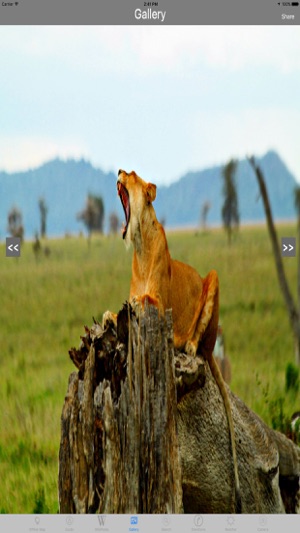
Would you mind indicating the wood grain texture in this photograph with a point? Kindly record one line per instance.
(144, 430)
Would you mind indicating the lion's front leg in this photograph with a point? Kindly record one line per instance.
(109, 317)
(191, 348)
(205, 334)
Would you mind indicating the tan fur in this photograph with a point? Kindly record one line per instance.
(170, 284)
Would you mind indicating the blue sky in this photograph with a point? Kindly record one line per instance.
(159, 100)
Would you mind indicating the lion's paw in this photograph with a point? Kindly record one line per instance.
(190, 349)
(108, 318)
(136, 306)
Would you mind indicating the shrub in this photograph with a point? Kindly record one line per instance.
(40, 506)
(291, 377)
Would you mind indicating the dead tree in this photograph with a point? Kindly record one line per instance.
(144, 430)
(119, 447)
(293, 312)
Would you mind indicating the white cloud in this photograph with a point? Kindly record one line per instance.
(21, 153)
(246, 132)
(145, 49)
(68, 117)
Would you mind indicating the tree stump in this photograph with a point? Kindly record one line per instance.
(144, 430)
(119, 447)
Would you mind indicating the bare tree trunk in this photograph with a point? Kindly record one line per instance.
(297, 340)
(119, 448)
(293, 312)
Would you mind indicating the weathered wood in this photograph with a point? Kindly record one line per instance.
(119, 448)
(144, 430)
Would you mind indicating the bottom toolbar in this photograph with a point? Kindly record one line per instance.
(149, 523)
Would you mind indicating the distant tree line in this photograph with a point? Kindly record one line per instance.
(15, 223)
(230, 212)
(92, 217)
(43, 217)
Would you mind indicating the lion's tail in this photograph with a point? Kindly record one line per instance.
(222, 387)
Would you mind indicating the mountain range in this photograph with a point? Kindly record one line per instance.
(64, 185)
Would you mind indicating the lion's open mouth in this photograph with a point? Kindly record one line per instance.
(123, 193)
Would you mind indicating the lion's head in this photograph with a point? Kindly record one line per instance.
(136, 196)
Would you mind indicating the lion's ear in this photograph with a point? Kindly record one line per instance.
(151, 192)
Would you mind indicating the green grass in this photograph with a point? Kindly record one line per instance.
(45, 304)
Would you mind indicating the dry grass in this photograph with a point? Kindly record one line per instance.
(45, 303)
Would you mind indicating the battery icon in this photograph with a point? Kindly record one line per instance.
(295, 3)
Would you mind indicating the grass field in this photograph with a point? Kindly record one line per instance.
(45, 303)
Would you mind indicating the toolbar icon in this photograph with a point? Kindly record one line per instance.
(101, 519)
(166, 521)
(198, 520)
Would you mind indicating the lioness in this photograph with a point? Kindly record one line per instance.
(170, 284)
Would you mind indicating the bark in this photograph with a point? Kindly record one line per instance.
(119, 448)
(144, 430)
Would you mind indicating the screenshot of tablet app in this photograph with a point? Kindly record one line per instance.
(149, 266)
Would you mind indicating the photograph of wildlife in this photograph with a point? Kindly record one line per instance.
(150, 270)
